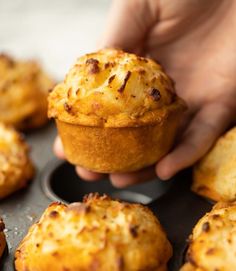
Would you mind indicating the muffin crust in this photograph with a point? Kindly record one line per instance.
(16, 169)
(215, 174)
(111, 88)
(98, 234)
(116, 112)
(23, 93)
(213, 242)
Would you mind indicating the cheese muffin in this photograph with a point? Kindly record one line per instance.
(2, 238)
(215, 174)
(98, 234)
(115, 112)
(213, 242)
(23, 93)
(16, 168)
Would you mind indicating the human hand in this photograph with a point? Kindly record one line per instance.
(195, 43)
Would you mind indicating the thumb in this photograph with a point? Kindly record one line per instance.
(208, 124)
(127, 25)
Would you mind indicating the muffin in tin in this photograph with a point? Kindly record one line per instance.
(16, 168)
(23, 93)
(215, 174)
(116, 112)
(98, 234)
(213, 242)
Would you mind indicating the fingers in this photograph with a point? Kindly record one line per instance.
(127, 24)
(88, 175)
(208, 124)
(58, 148)
(121, 180)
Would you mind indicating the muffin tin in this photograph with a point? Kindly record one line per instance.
(177, 208)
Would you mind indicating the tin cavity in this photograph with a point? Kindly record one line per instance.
(60, 183)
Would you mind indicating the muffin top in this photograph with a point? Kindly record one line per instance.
(213, 243)
(215, 173)
(99, 234)
(114, 88)
(15, 165)
(23, 92)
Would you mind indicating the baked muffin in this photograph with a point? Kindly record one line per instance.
(115, 112)
(213, 242)
(23, 93)
(215, 174)
(2, 238)
(16, 168)
(99, 234)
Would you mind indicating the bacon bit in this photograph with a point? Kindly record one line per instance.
(67, 107)
(133, 96)
(50, 90)
(122, 87)
(93, 63)
(53, 214)
(141, 71)
(142, 59)
(155, 94)
(77, 91)
(216, 216)
(111, 78)
(69, 92)
(206, 227)
(210, 251)
(134, 230)
(109, 64)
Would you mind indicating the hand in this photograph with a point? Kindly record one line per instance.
(195, 43)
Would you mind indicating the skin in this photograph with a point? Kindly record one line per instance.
(195, 41)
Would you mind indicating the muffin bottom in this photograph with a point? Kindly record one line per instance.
(107, 150)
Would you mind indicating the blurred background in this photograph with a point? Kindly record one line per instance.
(55, 32)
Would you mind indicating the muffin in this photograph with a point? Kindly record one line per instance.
(23, 93)
(213, 242)
(215, 174)
(2, 238)
(16, 168)
(98, 234)
(115, 112)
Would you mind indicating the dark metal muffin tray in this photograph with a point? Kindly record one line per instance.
(177, 208)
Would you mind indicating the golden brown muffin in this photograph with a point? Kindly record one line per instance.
(213, 242)
(23, 93)
(115, 112)
(2, 238)
(99, 234)
(215, 174)
(16, 168)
